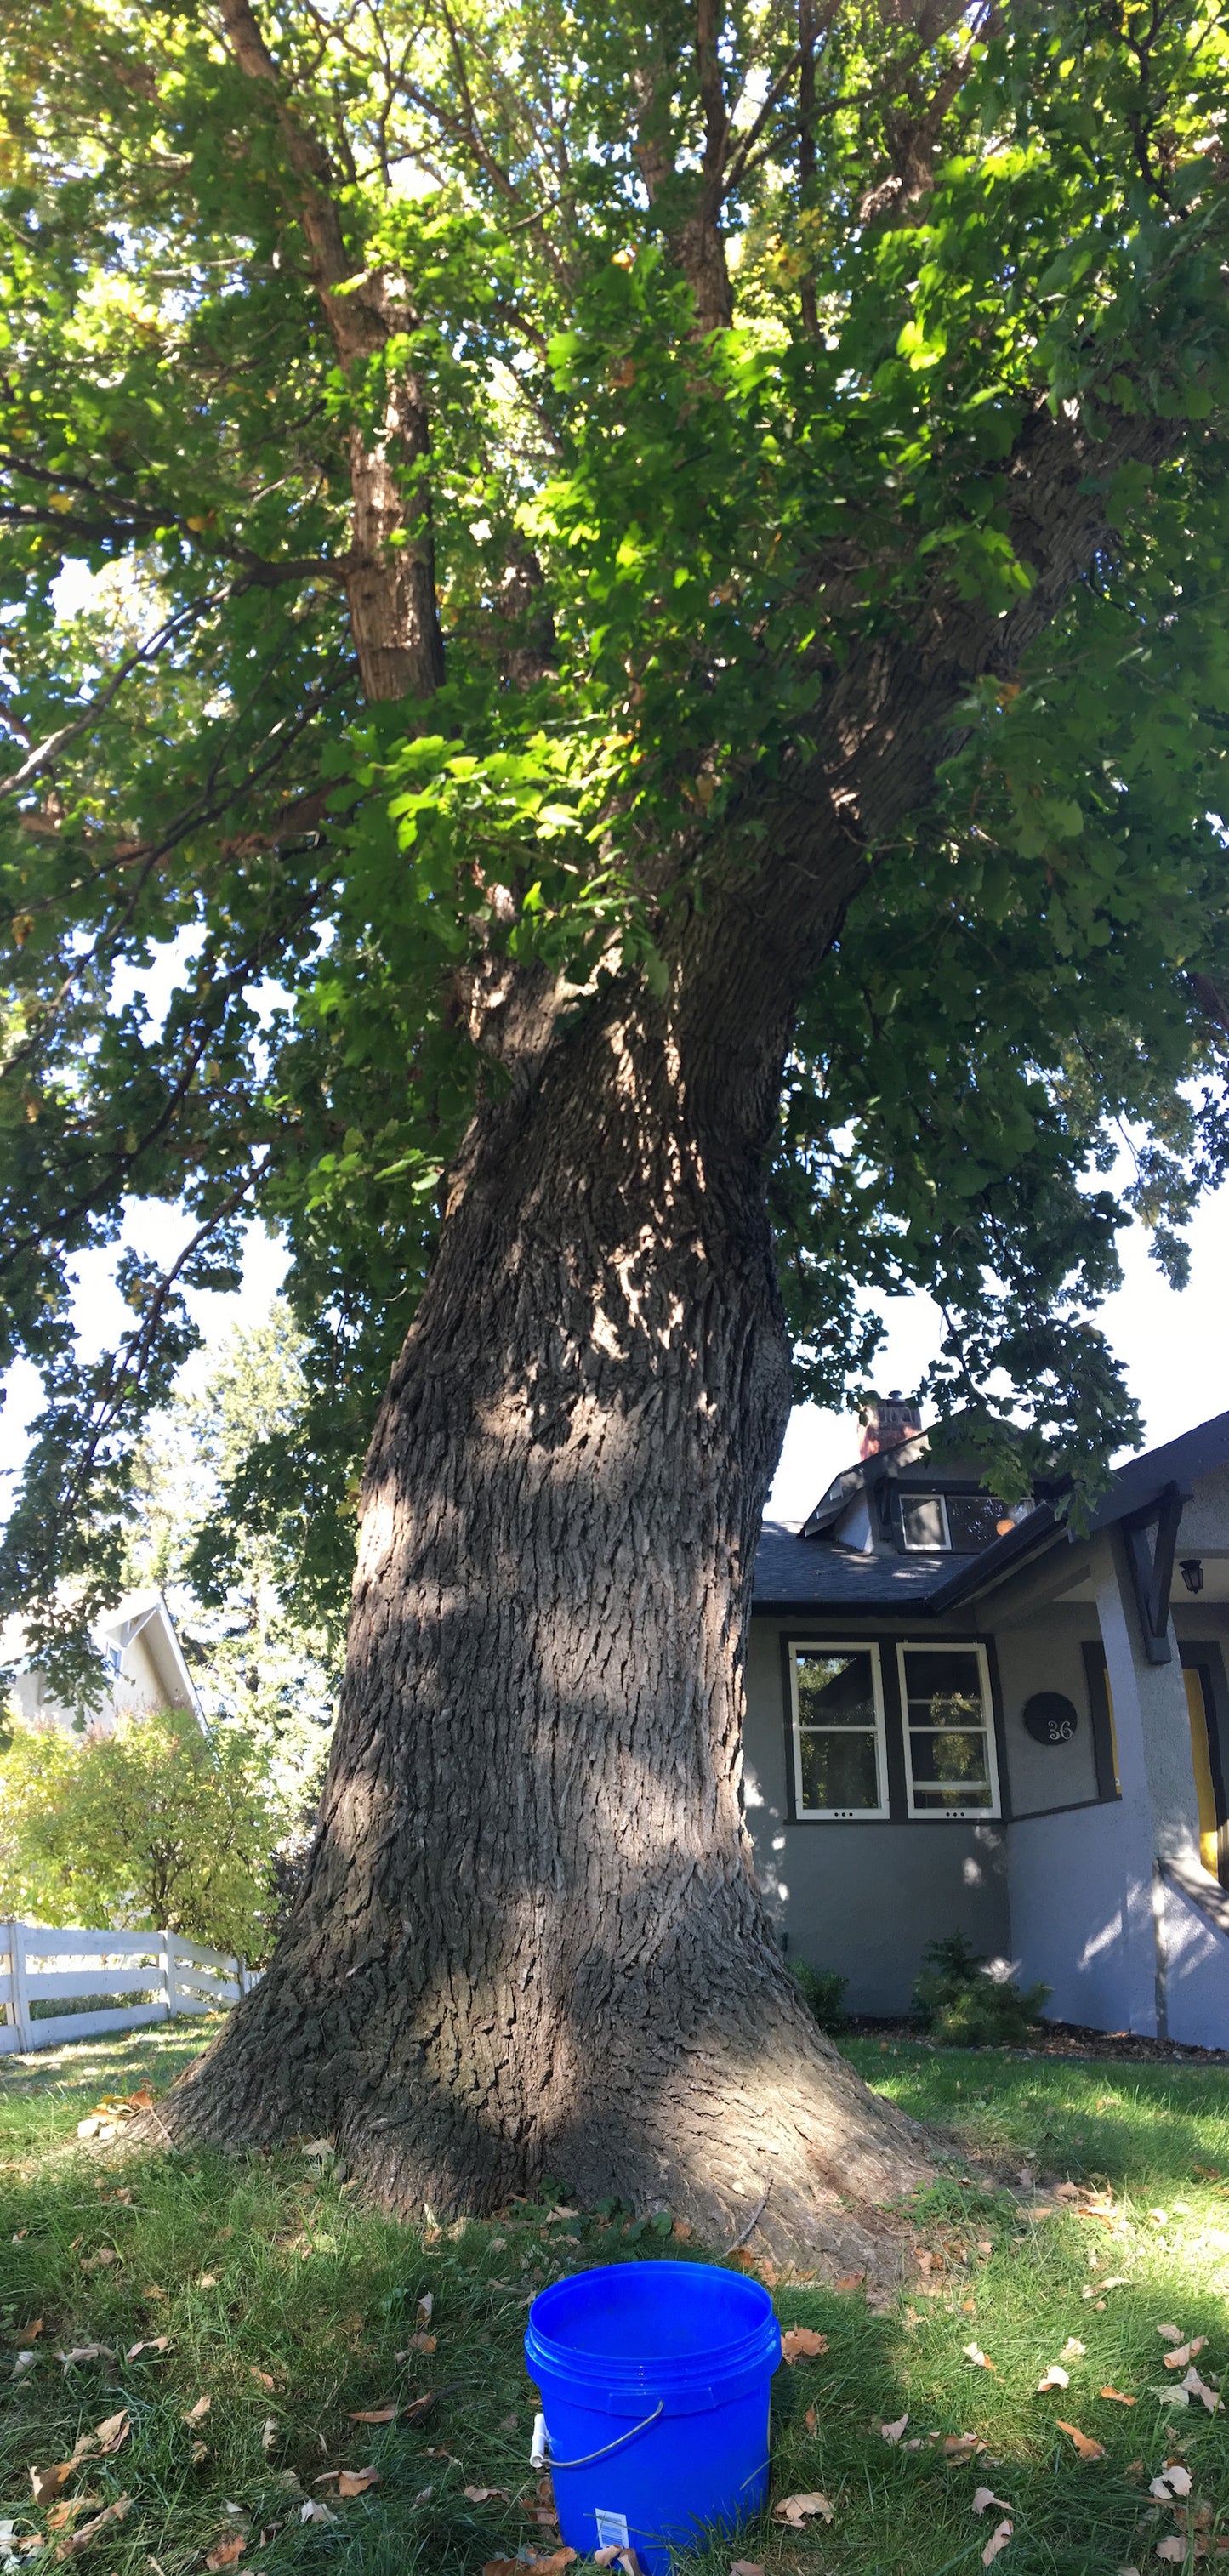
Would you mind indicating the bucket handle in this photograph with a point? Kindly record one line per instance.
(608, 2447)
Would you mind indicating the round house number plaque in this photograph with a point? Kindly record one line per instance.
(1050, 1718)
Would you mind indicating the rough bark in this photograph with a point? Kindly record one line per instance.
(390, 588)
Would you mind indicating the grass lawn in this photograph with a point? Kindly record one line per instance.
(286, 2307)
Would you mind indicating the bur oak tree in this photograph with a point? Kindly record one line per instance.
(657, 636)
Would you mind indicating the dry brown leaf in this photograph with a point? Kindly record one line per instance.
(417, 2343)
(268, 2434)
(802, 2344)
(355, 2482)
(31, 2333)
(63, 2515)
(1175, 2480)
(208, 2281)
(1184, 2353)
(1173, 2548)
(426, 2306)
(196, 2414)
(682, 2229)
(1199, 2388)
(200, 2451)
(156, 2343)
(797, 2509)
(1116, 2397)
(487, 2495)
(263, 2378)
(959, 2446)
(745, 2567)
(46, 2483)
(973, 2352)
(153, 2290)
(850, 2281)
(999, 2538)
(1073, 2349)
(892, 2432)
(811, 2419)
(1084, 2443)
(419, 2408)
(227, 2552)
(1170, 2334)
(382, 2415)
(75, 2541)
(111, 2434)
(1054, 2377)
(315, 2511)
(984, 2497)
(85, 2352)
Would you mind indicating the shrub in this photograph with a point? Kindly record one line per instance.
(821, 1990)
(961, 2002)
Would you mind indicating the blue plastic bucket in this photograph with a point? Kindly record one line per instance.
(655, 2383)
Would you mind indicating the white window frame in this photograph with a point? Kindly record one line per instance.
(947, 1646)
(839, 1815)
(908, 1495)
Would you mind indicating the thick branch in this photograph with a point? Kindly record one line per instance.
(390, 587)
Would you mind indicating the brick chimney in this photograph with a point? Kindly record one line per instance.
(887, 1421)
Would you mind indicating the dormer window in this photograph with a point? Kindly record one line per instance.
(924, 1520)
(963, 1523)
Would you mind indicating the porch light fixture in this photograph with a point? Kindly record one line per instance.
(1192, 1573)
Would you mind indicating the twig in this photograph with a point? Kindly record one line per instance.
(749, 2229)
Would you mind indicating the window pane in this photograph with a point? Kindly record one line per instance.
(960, 1759)
(973, 1520)
(944, 1688)
(835, 1690)
(839, 1769)
(922, 1519)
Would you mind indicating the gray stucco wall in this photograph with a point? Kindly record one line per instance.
(1081, 1916)
(1044, 1655)
(863, 1898)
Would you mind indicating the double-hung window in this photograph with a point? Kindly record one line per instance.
(949, 1733)
(840, 1769)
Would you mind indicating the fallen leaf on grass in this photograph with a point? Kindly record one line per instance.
(200, 2451)
(228, 2552)
(75, 2541)
(419, 2408)
(959, 2446)
(973, 2352)
(208, 2281)
(1116, 2397)
(802, 2344)
(1171, 2334)
(1084, 2443)
(314, 2511)
(106, 2437)
(745, 2567)
(1175, 2480)
(1054, 2377)
(153, 2290)
(1198, 2387)
(999, 2538)
(811, 2419)
(268, 2434)
(196, 2414)
(426, 2307)
(384, 2415)
(263, 2378)
(682, 2229)
(892, 2432)
(24, 2361)
(798, 2508)
(487, 2495)
(1185, 2352)
(31, 2333)
(46, 2483)
(984, 2497)
(64, 2514)
(850, 2281)
(1073, 2349)
(1172, 2548)
(355, 2482)
(156, 2343)
(86, 2352)
(417, 2343)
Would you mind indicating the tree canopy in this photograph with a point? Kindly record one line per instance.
(520, 455)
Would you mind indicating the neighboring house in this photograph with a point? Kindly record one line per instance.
(143, 1665)
(960, 1716)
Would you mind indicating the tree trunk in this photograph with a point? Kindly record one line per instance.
(530, 1939)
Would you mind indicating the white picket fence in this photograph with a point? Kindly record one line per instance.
(175, 1976)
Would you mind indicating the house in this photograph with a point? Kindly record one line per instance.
(143, 1664)
(961, 1716)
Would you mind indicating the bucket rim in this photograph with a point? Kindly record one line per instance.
(758, 2342)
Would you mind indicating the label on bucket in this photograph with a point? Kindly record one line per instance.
(611, 2530)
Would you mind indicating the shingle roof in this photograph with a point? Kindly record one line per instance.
(795, 1573)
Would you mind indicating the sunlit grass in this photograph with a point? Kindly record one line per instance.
(269, 2272)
